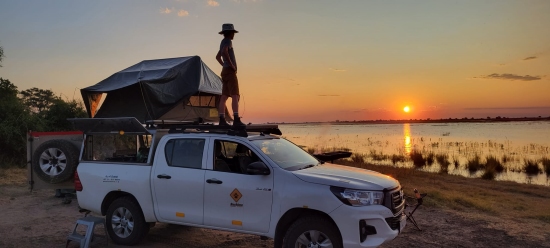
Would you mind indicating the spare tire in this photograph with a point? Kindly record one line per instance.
(55, 161)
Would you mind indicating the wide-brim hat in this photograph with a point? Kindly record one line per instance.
(228, 27)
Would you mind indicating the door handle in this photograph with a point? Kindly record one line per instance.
(216, 181)
(164, 176)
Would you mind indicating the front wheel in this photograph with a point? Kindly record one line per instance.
(125, 222)
(312, 231)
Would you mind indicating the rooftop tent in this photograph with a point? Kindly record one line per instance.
(176, 89)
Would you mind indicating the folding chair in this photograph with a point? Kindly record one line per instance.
(419, 200)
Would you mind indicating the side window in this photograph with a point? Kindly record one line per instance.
(184, 153)
(232, 157)
(117, 148)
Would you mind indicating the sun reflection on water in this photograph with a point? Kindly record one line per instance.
(407, 133)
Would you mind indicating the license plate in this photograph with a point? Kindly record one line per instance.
(403, 222)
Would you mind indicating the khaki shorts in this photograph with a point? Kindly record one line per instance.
(230, 82)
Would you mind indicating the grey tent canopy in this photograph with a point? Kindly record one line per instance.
(176, 88)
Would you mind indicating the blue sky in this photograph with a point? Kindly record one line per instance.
(309, 60)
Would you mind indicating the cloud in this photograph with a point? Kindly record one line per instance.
(247, 1)
(183, 13)
(213, 3)
(328, 95)
(510, 108)
(166, 10)
(337, 70)
(508, 76)
(530, 58)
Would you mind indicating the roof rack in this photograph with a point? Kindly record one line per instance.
(190, 126)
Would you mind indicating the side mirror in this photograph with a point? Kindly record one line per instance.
(257, 168)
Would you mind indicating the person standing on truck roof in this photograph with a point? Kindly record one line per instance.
(229, 75)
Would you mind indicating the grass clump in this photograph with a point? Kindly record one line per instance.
(377, 156)
(430, 158)
(531, 167)
(443, 161)
(417, 158)
(358, 158)
(474, 164)
(397, 158)
(546, 164)
(456, 163)
(489, 174)
(493, 164)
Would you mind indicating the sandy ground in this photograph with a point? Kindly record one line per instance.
(39, 219)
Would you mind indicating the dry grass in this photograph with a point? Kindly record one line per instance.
(508, 200)
(12, 176)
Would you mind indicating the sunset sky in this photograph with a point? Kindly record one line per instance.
(302, 60)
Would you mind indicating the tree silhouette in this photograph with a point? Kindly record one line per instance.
(1, 55)
(37, 99)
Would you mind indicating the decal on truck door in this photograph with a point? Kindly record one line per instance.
(236, 195)
(111, 179)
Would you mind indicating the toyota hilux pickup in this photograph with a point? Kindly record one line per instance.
(249, 181)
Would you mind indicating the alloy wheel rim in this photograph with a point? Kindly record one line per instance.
(313, 239)
(122, 222)
(53, 161)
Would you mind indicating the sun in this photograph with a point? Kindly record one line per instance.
(407, 109)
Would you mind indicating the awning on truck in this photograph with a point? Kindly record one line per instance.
(176, 88)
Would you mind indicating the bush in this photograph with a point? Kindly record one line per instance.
(18, 116)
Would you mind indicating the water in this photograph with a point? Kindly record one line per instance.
(510, 142)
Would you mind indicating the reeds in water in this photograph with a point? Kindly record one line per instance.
(531, 167)
(417, 158)
(443, 161)
(546, 164)
(358, 158)
(397, 158)
(474, 164)
(430, 158)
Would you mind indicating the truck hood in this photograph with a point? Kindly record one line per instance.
(346, 177)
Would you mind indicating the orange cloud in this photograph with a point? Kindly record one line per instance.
(183, 13)
(508, 76)
(213, 3)
(166, 10)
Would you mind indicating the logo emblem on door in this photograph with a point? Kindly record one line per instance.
(236, 195)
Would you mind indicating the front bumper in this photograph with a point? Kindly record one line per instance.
(387, 225)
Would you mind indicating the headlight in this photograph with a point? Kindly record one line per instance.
(358, 198)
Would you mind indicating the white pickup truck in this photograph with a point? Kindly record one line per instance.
(249, 181)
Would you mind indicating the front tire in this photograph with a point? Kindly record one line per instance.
(125, 222)
(312, 231)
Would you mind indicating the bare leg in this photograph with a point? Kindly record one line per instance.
(221, 106)
(235, 103)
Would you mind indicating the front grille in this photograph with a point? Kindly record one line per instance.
(394, 201)
(394, 222)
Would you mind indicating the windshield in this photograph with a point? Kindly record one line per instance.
(286, 154)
